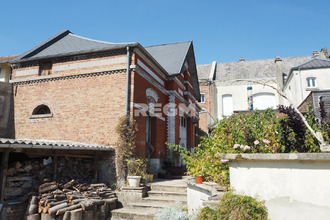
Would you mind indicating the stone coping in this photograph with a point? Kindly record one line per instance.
(208, 188)
(278, 157)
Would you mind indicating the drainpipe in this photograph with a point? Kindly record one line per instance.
(301, 88)
(128, 81)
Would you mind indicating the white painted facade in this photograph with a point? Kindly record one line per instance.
(294, 186)
(239, 96)
(297, 88)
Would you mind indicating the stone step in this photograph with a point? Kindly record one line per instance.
(165, 201)
(150, 206)
(133, 213)
(170, 195)
(169, 188)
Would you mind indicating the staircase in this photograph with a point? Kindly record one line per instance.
(163, 194)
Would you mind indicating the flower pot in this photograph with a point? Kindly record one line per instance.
(199, 179)
(193, 179)
(134, 181)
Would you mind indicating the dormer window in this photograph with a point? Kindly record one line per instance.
(41, 111)
(311, 82)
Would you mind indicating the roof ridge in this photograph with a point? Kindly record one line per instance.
(39, 47)
(98, 41)
(264, 59)
(170, 44)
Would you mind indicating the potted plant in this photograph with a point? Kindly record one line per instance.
(137, 169)
(197, 170)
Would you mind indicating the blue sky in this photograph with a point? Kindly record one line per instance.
(222, 31)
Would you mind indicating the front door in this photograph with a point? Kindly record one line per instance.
(183, 135)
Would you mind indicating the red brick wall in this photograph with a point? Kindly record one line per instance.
(159, 127)
(84, 109)
(204, 89)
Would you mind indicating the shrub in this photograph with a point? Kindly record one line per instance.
(234, 207)
(207, 213)
(125, 147)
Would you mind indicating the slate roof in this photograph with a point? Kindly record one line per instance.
(314, 63)
(170, 56)
(66, 43)
(204, 71)
(49, 144)
(255, 69)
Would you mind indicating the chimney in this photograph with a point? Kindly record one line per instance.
(279, 72)
(315, 54)
(241, 59)
(325, 52)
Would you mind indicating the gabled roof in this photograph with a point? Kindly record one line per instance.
(66, 43)
(313, 63)
(170, 56)
(255, 69)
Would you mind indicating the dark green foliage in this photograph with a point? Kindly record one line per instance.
(207, 214)
(233, 207)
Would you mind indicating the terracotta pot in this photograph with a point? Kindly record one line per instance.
(199, 179)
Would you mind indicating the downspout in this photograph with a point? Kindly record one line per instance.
(128, 81)
(301, 88)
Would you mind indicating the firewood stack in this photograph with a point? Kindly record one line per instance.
(71, 201)
(71, 196)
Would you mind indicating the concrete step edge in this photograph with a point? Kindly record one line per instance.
(167, 192)
(163, 199)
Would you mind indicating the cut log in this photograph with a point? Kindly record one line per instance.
(68, 184)
(88, 215)
(46, 187)
(70, 208)
(86, 204)
(33, 217)
(32, 209)
(67, 216)
(76, 214)
(47, 217)
(54, 209)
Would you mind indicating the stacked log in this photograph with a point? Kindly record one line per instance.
(72, 200)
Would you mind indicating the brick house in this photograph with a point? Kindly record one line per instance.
(72, 88)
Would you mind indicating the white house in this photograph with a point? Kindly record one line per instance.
(240, 86)
(312, 75)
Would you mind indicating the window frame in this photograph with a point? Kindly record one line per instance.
(44, 115)
(310, 81)
(202, 99)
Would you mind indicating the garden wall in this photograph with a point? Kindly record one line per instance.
(294, 186)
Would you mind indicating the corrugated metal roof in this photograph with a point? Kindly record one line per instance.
(170, 56)
(314, 63)
(50, 144)
(66, 43)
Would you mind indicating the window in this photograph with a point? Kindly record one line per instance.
(41, 111)
(227, 105)
(263, 101)
(202, 98)
(311, 82)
